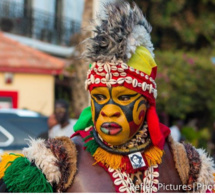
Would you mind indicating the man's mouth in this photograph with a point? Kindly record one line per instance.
(111, 128)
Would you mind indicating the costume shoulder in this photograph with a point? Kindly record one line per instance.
(45, 166)
(195, 167)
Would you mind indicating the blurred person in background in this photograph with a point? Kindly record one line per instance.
(64, 126)
(51, 122)
(176, 130)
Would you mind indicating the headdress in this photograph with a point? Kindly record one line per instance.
(122, 54)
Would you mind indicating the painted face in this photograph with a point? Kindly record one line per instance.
(118, 113)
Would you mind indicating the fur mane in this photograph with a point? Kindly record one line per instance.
(118, 33)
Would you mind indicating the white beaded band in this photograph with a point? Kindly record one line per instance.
(108, 70)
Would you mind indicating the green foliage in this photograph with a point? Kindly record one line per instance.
(196, 138)
(187, 24)
(186, 83)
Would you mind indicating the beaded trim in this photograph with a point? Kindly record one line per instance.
(125, 184)
(121, 70)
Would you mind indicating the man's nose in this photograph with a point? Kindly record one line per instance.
(111, 111)
(110, 114)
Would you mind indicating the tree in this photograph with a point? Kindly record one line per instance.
(80, 97)
(184, 37)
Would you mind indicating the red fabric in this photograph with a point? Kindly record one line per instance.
(129, 73)
(157, 131)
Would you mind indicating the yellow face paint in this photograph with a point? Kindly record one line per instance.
(118, 113)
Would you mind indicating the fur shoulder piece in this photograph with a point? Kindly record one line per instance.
(118, 33)
(65, 152)
(195, 167)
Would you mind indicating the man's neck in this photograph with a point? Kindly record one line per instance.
(64, 124)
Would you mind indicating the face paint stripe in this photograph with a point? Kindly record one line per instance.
(141, 102)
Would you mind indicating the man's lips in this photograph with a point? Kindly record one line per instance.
(111, 128)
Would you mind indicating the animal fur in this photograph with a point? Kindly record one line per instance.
(207, 170)
(118, 33)
(180, 159)
(65, 151)
(44, 159)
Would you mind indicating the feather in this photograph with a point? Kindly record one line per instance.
(118, 33)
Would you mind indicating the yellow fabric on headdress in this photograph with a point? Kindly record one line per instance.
(142, 60)
(6, 160)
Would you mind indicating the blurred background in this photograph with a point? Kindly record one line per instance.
(40, 63)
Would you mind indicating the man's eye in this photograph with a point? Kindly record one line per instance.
(100, 97)
(124, 97)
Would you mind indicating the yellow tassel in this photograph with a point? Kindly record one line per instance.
(154, 155)
(109, 160)
(6, 160)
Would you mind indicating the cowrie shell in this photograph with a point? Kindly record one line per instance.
(150, 88)
(113, 68)
(123, 74)
(103, 80)
(116, 74)
(131, 69)
(107, 68)
(147, 77)
(134, 82)
(97, 81)
(102, 74)
(107, 76)
(120, 80)
(124, 66)
(144, 85)
(92, 78)
(141, 74)
(100, 69)
(128, 79)
(120, 69)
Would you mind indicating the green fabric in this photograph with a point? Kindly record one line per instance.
(91, 146)
(21, 176)
(85, 120)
